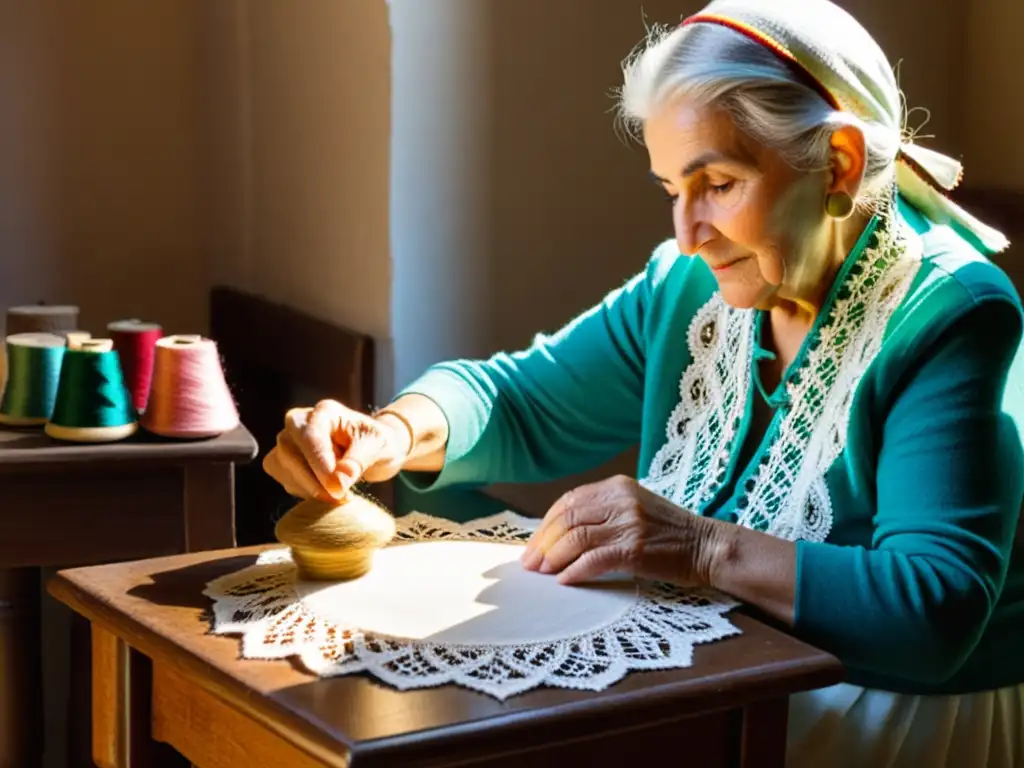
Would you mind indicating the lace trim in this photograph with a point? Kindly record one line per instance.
(690, 467)
(786, 495)
(261, 604)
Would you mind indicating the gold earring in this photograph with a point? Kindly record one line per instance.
(838, 205)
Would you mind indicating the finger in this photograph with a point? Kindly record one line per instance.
(592, 564)
(293, 490)
(552, 528)
(296, 419)
(297, 472)
(549, 532)
(316, 440)
(366, 443)
(580, 506)
(274, 467)
(574, 544)
(552, 519)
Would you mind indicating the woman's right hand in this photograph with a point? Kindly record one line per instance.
(323, 451)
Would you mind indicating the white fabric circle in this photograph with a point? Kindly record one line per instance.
(467, 593)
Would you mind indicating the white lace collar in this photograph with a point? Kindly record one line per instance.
(783, 491)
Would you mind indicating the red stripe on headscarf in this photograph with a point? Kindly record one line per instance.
(771, 44)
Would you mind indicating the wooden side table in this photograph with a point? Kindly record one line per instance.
(64, 505)
(728, 709)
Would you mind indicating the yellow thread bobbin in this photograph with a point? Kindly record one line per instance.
(335, 541)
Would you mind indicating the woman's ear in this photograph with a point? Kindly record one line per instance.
(848, 161)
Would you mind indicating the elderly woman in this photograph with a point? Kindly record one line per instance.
(818, 370)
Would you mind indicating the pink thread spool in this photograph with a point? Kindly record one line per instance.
(188, 397)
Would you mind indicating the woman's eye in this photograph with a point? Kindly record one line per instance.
(721, 189)
(671, 196)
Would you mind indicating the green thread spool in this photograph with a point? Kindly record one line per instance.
(33, 373)
(93, 405)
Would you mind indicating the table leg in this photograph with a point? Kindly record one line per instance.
(120, 710)
(21, 678)
(79, 707)
(763, 734)
(209, 507)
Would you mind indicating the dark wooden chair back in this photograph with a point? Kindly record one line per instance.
(275, 358)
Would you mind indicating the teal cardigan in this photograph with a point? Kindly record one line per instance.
(903, 498)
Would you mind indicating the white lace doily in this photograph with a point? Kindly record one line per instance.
(450, 603)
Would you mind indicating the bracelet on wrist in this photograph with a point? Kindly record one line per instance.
(403, 420)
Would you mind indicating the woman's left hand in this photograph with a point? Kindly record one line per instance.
(617, 525)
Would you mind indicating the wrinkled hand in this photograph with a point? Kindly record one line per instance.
(616, 525)
(323, 451)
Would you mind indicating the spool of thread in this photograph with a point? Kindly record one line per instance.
(189, 397)
(37, 318)
(335, 542)
(135, 342)
(35, 361)
(41, 318)
(93, 405)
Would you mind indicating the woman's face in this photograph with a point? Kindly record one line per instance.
(760, 225)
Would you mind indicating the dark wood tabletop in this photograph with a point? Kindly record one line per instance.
(158, 608)
(23, 450)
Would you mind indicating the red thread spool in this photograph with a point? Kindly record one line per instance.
(189, 397)
(135, 343)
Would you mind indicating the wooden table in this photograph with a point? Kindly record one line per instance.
(65, 505)
(219, 711)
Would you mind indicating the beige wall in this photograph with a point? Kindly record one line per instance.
(441, 182)
(297, 142)
(298, 108)
(993, 103)
(150, 149)
(26, 270)
(102, 170)
(925, 40)
(573, 211)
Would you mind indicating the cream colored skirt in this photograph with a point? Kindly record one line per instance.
(844, 725)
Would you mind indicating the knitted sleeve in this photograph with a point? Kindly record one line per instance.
(568, 402)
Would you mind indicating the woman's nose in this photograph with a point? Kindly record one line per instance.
(692, 230)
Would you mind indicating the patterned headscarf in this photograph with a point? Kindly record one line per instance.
(838, 58)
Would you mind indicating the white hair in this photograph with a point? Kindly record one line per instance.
(719, 67)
